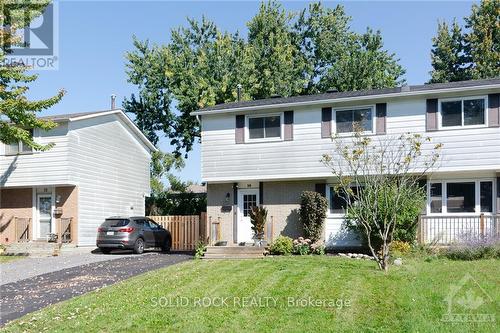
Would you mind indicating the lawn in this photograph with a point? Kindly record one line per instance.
(4, 259)
(351, 295)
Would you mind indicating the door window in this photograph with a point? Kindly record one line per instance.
(249, 201)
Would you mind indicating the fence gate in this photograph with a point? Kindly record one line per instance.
(185, 230)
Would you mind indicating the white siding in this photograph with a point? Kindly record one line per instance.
(111, 168)
(223, 160)
(39, 168)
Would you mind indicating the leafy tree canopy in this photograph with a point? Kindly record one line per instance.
(472, 52)
(283, 54)
(17, 112)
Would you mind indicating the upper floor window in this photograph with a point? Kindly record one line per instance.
(18, 147)
(267, 127)
(349, 120)
(463, 112)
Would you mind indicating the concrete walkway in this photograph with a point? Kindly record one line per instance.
(22, 296)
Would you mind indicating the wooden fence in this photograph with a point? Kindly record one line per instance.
(22, 229)
(442, 230)
(186, 230)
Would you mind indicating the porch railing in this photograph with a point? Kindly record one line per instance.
(442, 230)
(22, 229)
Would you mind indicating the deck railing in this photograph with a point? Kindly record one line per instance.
(442, 230)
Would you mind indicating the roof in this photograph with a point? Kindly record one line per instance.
(93, 114)
(349, 95)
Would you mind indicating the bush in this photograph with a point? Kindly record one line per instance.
(258, 217)
(302, 246)
(486, 248)
(318, 248)
(312, 214)
(400, 247)
(200, 249)
(282, 246)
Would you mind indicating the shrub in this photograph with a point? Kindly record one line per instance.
(282, 245)
(312, 214)
(475, 249)
(318, 248)
(400, 247)
(302, 246)
(258, 217)
(200, 249)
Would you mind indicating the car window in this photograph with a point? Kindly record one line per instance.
(153, 225)
(115, 222)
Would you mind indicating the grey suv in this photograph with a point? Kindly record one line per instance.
(135, 233)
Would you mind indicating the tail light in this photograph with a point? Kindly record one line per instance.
(100, 229)
(128, 229)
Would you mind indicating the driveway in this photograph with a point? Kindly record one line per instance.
(33, 292)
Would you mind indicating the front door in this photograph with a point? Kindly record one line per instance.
(247, 199)
(44, 205)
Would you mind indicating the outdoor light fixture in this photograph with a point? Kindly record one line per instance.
(228, 195)
(58, 198)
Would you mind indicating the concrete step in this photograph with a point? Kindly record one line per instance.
(233, 256)
(236, 249)
(35, 249)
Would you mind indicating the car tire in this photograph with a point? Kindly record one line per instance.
(139, 246)
(105, 250)
(166, 246)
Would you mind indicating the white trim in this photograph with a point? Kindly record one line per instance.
(462, 99)
(352, 108)
(346, 99)
(444, 195)
(271, 139)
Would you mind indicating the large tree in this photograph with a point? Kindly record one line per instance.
(17, 112)
(468, 53)
(284, 54)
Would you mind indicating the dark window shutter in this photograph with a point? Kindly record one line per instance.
(431, 115)
(498, 193)
(494, 110)
(288, 130)
(240, 129)
(381, 120)
(321, 189)
(326, 122)
(261, 193)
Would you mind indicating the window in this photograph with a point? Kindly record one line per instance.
(465, 112)
(18, 147)
(264, 127)
(436, 198)
(461, 197)
(338, 200)
(249, 201)
(348, 120)
(486, 193)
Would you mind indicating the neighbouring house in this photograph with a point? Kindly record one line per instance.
(266, 152)
(98, 167)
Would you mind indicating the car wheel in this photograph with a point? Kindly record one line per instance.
(105, 250)
(166, 246)
(139, 246)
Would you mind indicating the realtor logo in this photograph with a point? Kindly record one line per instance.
(36, 44)
(466, 302)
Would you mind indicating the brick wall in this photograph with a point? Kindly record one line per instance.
(69, 205)
(216, 199)
(14, 203)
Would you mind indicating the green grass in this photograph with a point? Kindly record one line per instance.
(4, 258)
(410, 298)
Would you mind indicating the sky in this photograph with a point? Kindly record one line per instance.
(95, 35)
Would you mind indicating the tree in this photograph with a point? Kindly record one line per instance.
(284, 54)
(312, 214)
(378, 179)
(161, 164)
(447, 55)
(17, 112)
(471, 54)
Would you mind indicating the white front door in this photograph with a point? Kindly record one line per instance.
(44, 208)
(247, 198)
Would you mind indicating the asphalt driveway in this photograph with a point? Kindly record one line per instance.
(23, 296)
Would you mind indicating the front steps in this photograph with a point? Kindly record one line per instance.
(34, 249)
(234, 252)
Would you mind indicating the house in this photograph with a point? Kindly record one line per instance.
(98, 167)
(266, 152)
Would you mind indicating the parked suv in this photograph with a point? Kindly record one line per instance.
(135, 233)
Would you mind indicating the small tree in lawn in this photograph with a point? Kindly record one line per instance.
(378, 179)
(312, 214)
